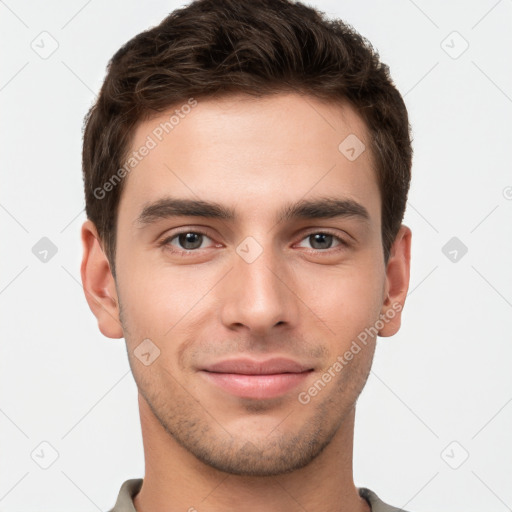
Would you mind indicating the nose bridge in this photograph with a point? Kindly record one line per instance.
(257, 295)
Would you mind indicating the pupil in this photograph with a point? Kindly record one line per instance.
(188, 238)
(321, 237)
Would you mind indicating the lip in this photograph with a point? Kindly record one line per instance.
(248, 378)
(247, 366)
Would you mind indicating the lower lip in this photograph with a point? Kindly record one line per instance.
(256, 386)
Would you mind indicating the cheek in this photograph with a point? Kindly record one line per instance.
(346, 298)
(161, 302)
(153, 295)
(163, 305)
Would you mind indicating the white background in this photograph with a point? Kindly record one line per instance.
(444, 377)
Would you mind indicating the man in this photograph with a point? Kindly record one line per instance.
(246, 170)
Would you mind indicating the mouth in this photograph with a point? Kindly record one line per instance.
(257, 380)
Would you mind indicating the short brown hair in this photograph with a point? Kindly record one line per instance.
(216, 47)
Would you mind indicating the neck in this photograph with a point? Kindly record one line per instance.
(175, 480)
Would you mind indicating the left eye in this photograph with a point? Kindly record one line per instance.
(323, 240)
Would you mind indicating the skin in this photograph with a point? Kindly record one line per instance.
(206, 448)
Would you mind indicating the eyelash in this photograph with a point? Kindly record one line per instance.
(166, 241)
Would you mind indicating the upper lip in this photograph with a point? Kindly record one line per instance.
(253, 367)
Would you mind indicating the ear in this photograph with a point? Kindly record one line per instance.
(397, 282)
(98, 283)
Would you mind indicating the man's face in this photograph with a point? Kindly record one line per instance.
(251, 289)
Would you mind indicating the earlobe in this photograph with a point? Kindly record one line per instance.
(397, 282)
(98, 283)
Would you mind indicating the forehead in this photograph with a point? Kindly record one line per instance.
(249, 152)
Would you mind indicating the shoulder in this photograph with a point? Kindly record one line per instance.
(376, 504)
(126, 494)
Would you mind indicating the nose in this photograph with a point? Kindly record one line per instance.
(258, 295)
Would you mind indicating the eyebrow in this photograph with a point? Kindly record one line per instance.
(318, 208)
